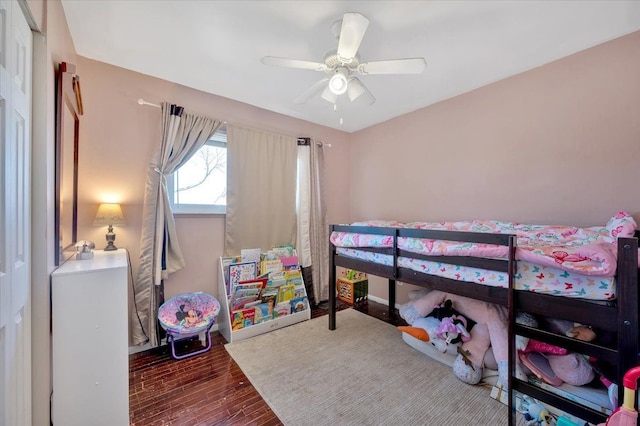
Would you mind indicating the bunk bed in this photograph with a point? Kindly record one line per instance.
(388, 250)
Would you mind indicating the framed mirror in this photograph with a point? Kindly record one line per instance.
(68, 112)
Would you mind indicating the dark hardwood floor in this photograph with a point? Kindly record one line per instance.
(206, 389)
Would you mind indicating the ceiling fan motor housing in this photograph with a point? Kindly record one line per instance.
(332, 60)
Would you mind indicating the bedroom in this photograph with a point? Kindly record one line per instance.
(567, 118)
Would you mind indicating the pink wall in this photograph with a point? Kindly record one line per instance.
(559, 144)
(537, 147)
(118, 138)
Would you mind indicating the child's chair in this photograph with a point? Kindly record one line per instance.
(187, 315)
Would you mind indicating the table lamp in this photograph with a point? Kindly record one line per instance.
(109, 214)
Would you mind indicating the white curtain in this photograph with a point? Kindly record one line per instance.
(313, 230)
(261, 190)
(183, 134)
(303, 242)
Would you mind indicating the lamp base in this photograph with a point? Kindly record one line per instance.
(111, 237)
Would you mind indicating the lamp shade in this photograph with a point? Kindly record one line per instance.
(109, 214)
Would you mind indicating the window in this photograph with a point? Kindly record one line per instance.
(200, 186)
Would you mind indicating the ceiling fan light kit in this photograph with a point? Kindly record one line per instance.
(338, 82)
(355, 89)
(344, 61)
(328, 95)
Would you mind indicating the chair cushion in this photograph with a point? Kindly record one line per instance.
(188, 313)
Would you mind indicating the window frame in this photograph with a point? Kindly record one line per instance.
(218, 139)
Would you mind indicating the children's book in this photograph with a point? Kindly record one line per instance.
(250, 255)
(278, 275)
(300, 291)
(276, 282)
(280, 251)
(226, 261)
(252, 304)
(282, 309)
(269, 296)
(240, 302)
(299, 304)
(290, 262)
(297, 281)
(241, 272)
(242, 318)
(241, 293)
(286, 292)
(263, 312)
(270, 266)
(258, 283)
(292, 274)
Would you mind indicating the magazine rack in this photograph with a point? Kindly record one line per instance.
(224, 319)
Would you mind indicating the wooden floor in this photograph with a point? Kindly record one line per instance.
(206, 389)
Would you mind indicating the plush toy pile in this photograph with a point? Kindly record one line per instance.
(489, 331)
(476, 333)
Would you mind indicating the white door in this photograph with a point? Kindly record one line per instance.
(15, 218)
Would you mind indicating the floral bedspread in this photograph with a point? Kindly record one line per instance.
(588, 251)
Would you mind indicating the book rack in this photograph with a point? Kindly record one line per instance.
(224, 318)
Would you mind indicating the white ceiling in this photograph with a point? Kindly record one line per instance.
(216, 46)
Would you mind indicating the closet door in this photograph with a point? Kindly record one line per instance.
(15, 219)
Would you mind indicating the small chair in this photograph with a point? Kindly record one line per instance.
(187, 315)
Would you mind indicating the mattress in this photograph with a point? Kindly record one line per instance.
(537, 278)
(585, 251)
(556, 260)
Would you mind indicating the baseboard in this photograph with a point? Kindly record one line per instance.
(381, 301)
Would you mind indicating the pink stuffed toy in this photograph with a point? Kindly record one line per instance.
(572, 368)
(491, 329)
(454, 329)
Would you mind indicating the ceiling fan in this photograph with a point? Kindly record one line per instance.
(342, 63)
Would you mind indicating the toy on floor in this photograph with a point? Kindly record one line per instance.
(534, 412)
(626, 415)
(453, 327)
(444, 328)
(490, 330)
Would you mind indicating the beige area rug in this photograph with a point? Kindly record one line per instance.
(362, 373)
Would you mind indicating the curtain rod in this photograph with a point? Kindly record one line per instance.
(301, 141)
(143, 102)
(307, 141)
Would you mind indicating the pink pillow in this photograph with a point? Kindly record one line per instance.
(621, 225)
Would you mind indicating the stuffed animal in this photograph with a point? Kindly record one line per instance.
(534, 412)
(569, 367)
(454, 329)
(426, 329)
(490, 330)
(572, 368)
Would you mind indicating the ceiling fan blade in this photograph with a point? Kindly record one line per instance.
(394, 66)
(328, 95)
(311, 91)
(357, 90)
(353, 28)
(294, 63)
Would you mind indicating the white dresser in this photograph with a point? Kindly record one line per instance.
(90, 342)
